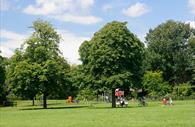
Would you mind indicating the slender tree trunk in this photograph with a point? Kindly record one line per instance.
(113, 98)
(33, 101)
(103, 97)
(44, 100)
(97, 98)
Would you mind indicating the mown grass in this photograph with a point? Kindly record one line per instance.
(59, 114)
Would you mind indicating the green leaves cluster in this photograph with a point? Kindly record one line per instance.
(3, 91)
(184, 89)
(171, 50)
(113, 56)
(155, 85)
(39, 67)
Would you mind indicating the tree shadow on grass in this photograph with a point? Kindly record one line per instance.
(85, 106)
(110, 107)
(30, 105)
(65, 107)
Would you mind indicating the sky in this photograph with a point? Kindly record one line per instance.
(78, 20)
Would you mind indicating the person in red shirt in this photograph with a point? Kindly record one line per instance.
(164, 101)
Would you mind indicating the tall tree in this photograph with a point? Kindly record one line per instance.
(42, 68)
(192, 60)
(113, 58)
(2, 80)
(169, 51)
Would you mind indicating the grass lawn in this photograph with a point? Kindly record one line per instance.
(59, 114)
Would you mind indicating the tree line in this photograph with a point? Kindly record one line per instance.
(113, 58)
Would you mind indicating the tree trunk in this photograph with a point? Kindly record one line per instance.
(44, 100)
(113, 98)
(97, 98)
(33, 101)
(103, 96)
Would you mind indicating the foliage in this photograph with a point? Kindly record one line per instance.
(154, 84)
(3, 91)
(184, 89)
(39, 67)
(71, 88)
(113, 57)
(192, 63)
(169, 50)
(86, 94)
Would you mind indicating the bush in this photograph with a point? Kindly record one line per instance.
(184, 89)
(86, 94)
(154, 84)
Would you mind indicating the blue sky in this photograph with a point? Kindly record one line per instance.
(78, 20)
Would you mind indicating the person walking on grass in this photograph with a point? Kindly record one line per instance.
(164, 101)
(170, 101)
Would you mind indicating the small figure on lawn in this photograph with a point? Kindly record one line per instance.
(164, 101)
(120, 101)
(170, 101)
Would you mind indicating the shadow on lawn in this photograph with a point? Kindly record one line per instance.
(66, 107)
(129, 107)
(30, 105)
(93, 106)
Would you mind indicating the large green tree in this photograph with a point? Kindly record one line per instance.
(2, 80)
(41, 67)
(170, 49)
(113, 58)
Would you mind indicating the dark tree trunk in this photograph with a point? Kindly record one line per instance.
(33, 101)
(44, 100)
(113, 98)
(103, 97)
(97, 98)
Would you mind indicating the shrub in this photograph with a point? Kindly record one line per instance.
(154, 84)
(184, 89)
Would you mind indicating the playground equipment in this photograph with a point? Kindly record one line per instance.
(69, 100)
(120, 100)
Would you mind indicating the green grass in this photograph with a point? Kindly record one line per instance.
(59, 114)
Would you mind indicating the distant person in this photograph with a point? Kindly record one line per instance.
(107, 98)
(164, 101)
(170, 101)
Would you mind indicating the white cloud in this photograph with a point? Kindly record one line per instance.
(6, 34)
(76, 11)
(78, 19)
(192, 23)
(107, 7)
(69, 44)
(6, 52)
(142, 37)
(10, 41)
(136, 10)
(4, 5)
(191, 4)
(46, 9)
(86, 3)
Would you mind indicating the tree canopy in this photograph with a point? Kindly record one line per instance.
(40, 67)
(2, 80)
(170, 49)
(113, 57)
